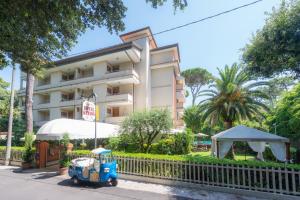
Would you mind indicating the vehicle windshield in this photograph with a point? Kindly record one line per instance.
(106, 158)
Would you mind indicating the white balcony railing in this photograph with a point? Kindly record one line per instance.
(119, 99)
(115, 120)
(180, 95)
(121, 73)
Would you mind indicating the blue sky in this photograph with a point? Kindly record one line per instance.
(208, 44)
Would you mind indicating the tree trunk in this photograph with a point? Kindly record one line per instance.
(193, 100)
(228, 124)
(11, 117)
(28, 102)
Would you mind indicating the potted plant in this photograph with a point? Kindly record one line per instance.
(64, 165)
(65, 158)
(27, 155)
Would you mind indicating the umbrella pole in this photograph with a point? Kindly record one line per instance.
(245, 151)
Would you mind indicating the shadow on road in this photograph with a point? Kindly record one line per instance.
(90, 185)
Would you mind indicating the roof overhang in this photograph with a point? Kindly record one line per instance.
(172, 47)
(138, 34)
(128, 51)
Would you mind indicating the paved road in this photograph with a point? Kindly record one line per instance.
(33, 185)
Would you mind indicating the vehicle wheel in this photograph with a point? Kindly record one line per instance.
(114, 182)
(75, 180)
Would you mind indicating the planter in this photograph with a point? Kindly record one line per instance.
(26, 165)
(63, 170)
(69, 147)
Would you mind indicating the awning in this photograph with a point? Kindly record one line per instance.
(257, 140)
(77, 129)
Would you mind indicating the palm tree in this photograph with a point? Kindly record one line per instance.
(233, 97)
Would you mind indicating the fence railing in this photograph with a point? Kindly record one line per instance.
(14, 156)
(265, 179)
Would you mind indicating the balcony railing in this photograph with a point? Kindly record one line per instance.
(44, 102)
(121, 73)
(119, 99)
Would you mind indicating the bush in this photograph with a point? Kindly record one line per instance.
(113, 143)
(28, 153)
(180, 143)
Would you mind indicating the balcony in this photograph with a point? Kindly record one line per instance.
(119, 99)
(122, 77)
(115, 120)
(179, 123)
(40, 123)
(180, 96)
(179, 107)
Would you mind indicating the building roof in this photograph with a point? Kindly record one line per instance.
(97, 53)
(138, 34)
(171, 46)
(244, 133)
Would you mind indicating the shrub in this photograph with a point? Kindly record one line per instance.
(28, 153)
(114, 143)
(183, 142)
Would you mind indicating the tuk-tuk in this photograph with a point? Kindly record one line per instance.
(102, 169)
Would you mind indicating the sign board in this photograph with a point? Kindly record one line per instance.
(97, 113)
(88, 111)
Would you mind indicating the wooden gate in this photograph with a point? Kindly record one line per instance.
(47, 154)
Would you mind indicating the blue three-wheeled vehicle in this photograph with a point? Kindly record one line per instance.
(102, 169)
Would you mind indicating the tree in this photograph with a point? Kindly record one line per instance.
(233, 98)
(286, 116)
(195, 79)
(4, 100)
(275, 48)
(33, 33)
(146, 126)
(193, 119)
(276, 87)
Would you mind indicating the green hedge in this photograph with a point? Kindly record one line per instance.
(198, 159)
(14, 148)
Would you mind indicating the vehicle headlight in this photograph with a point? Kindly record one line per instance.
(106, 170)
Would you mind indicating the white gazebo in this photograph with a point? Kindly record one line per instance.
(77, 129)
(256, 139)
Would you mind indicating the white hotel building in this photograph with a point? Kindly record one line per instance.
(132, 76)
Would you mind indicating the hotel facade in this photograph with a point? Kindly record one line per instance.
(135, 75)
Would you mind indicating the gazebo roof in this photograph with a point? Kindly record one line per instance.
(244, 133)
(77, 129)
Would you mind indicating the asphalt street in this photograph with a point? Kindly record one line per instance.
(42, 185)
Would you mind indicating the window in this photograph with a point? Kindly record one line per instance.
(86, 92)
(44, 98)
(44, 81)
(69, 114)
(113, 90)
(68, 76)
(67, 96)
(114, 68)
(116, 90)
(83, 73)
(108, 111)
(44, 115)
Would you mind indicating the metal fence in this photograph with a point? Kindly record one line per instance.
(15, 157)
(265, 179)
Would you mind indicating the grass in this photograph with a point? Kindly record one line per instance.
(201, 157)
